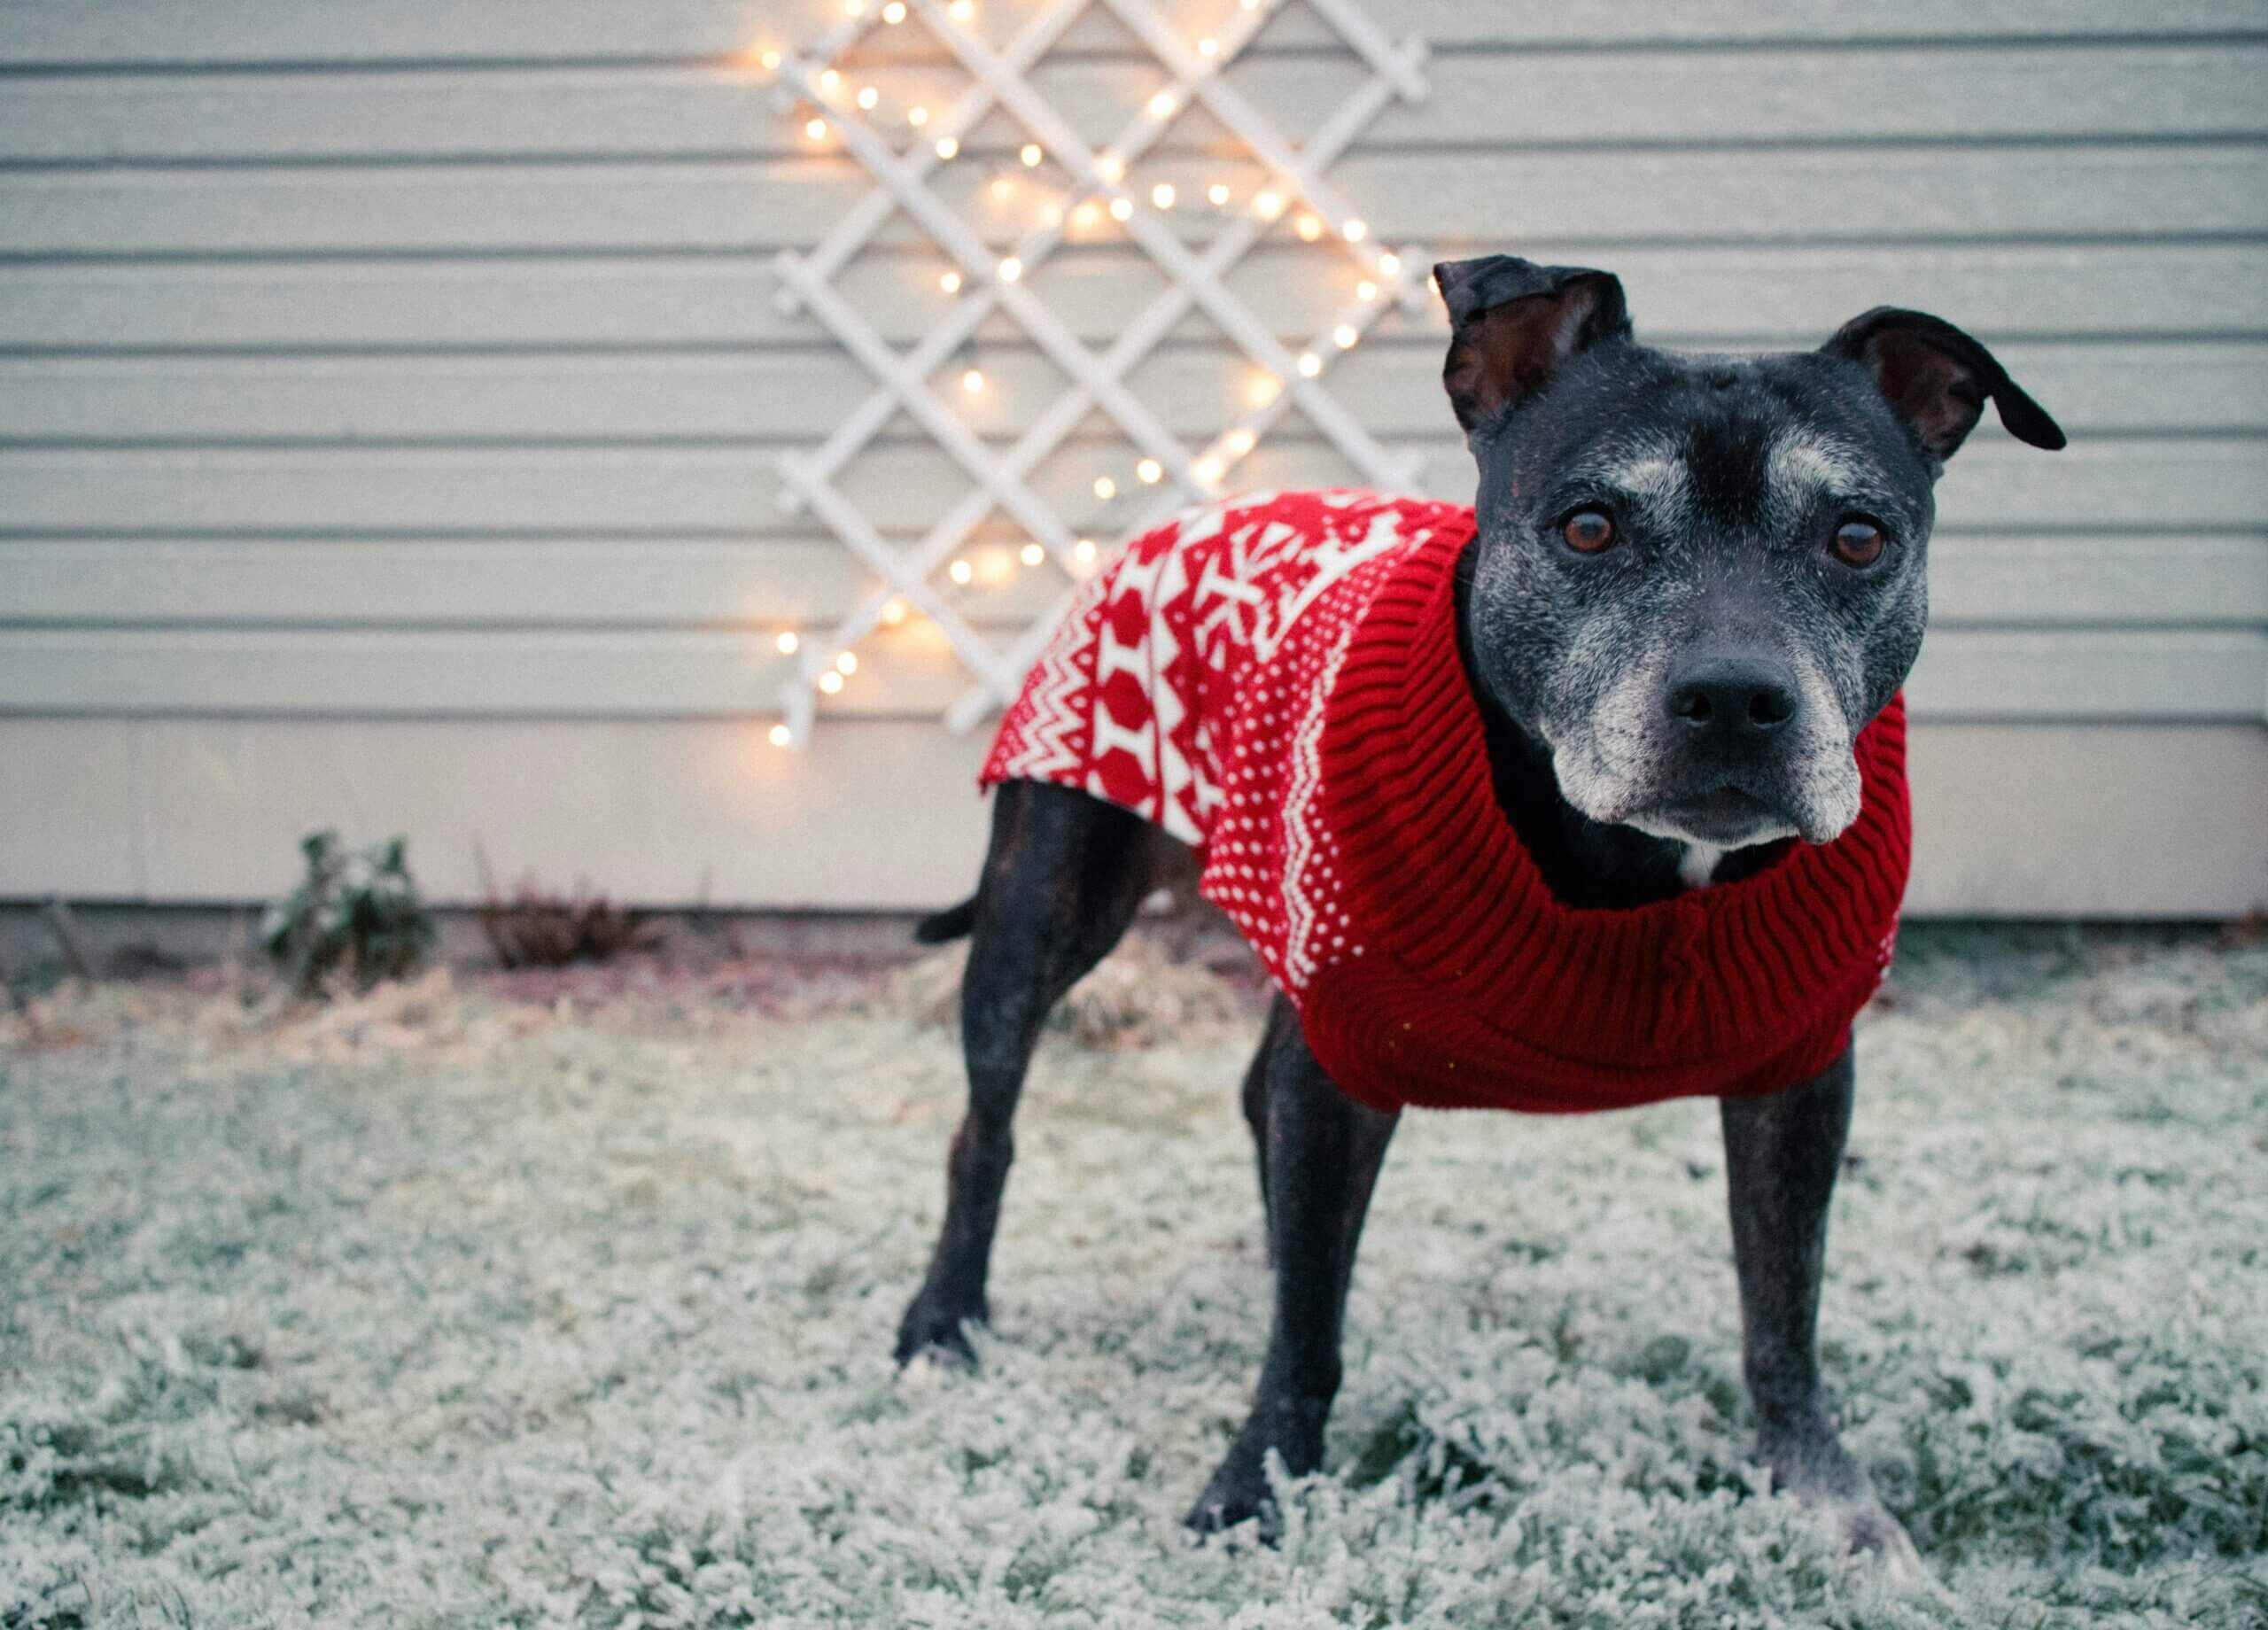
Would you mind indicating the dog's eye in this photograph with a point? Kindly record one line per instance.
(1858, 542)
(1587, 531)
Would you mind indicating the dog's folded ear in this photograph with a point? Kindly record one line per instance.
(1513, 322)
(1939, 379)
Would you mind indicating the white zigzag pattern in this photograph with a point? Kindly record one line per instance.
(1298, 826)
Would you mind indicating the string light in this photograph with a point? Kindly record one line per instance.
(1249, 5)
(1268, 205)
(868, 97)
(1011, 269)
(1031, 154)
(947, 147)
(1084, 551)
(1208, 47)
(830, 82)
(961, 11)
(893, 612)
(1085, 215)
(949, 283)
(1105, 488)
(1309, 228)
(1262, 388)
(1151, 471)
(1345, 336)
(894, 13)
(972, 381)
(960, 572)
(1000, 189)
(1209, 470)
(846, 663)
(917, 116)
(1121, 208)
(1354, 231)
(1161, 105)
(779, 735)
(1366, 290)
(1111, 167)
(830, 681)
(787, 642)
(1242, 441)
(1162, 195)
(816, 129)
(771, 60)
(1216, 195)
(1031, 554)
(1310, 364)
(1389, 266)
(854, 8)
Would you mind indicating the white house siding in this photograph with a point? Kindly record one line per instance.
(389, 396)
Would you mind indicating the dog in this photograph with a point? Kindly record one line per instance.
(1692, 589)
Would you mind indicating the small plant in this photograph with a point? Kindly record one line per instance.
(355, 916)
(535, 929)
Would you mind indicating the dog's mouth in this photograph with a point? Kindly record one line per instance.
(1723, 818)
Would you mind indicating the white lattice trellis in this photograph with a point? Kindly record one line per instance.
(987, 280)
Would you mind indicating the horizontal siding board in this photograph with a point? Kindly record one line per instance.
(1978, 193)
(288, 31)
(1702, 294)
(1963, 674)
(807, 582)
(1700, 98)
(2219, 482)
(2154, 388)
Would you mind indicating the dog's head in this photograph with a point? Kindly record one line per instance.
(1696, 578)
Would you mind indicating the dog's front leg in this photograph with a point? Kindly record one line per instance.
(1781, 1155)
(1321, 1155)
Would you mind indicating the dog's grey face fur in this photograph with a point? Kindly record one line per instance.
(1725, 481)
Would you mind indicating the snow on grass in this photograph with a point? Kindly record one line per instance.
(444, 1308)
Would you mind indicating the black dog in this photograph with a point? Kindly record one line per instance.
(1695, 579)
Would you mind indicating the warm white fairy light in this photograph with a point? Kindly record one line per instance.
(1105, 488)
(830, 681)
(1209, 470)
(1031, 154)
(830, 80)
(1031, 554)
(1083, 551)
(1353, 231)
(1310, 364)
(1151, 471)
(1000, 188)
(787, 642)
(894, 13)
(961, 11)
(846, 663)
(1242, 440)
(779, 735)
(770, 59)
(971, 381)
(947, 147)
(894, 611)
(1366, 290)
(1263, 389)
(960, 572)
(1162, 105)
(1162, 195)
(949, 282)
(1389, 266)
(1308, 227)
(1111, 167)
(1216, 195)
(917, 116)
(1345, 336)
(868, 98)
(1268, 205)
(816, 129)
(1208, 48)
(854, 8)
(1011, 269)
(1085, 216)
(1121, 208)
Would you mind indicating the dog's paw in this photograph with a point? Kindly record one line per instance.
(939, 1333)
(1867, 1527)
(1238, 1493)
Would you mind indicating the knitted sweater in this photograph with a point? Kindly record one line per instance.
(1276, 682)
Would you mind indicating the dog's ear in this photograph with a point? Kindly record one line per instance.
(1513, 322)
(1939, 379)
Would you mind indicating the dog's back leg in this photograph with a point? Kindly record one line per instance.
(1064, 876)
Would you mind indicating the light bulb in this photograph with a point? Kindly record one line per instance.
(1366, 290)
(972, 381)
(1241, 441)
(1150, 470)
(1011, 269)
(1249, 5)
(1085, 215)
(1208, 48)
(1031, 554)
(961, 11)
(868, 97)
(854, 8)
(1310, 364)
(1354, 231)
(960, 572)
(1345, 336)
(893, 612)
(816, 129)
(1389, 266)
(1309, 228)
(1208, 470)
(894, 13)
(947, 147)
(998, 189)
(917, 116)
(1084, 550)
(1162, 195)
(1268, 205)
(846, 663)
(1031, 154)
(949, 283)
(788, 642)
(770, 59)
(830, 681)
(1111, 167)
(1216, 195)
(1121, 208)
(1105, 488)
(1161, 105)
(830, 82)
(1263, 389)
(779, 736)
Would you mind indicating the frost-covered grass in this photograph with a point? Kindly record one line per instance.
(452, 1310)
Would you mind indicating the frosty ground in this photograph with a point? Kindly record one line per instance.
(475, 1304)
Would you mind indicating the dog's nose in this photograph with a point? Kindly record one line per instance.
(1733, 700)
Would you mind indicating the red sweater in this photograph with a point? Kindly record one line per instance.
(1276, 682)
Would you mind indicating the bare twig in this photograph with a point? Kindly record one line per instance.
(68, 936)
